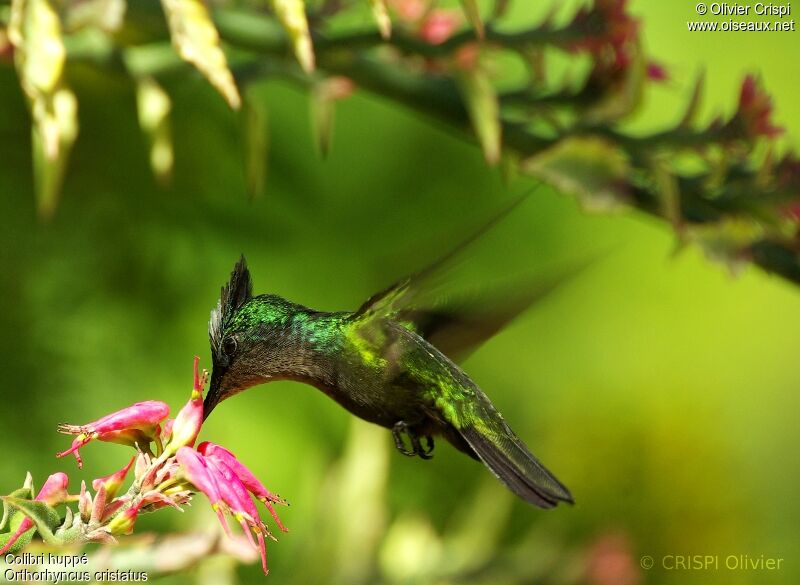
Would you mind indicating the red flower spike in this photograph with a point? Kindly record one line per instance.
(614, 41)
(254, 486)
(53, 492)
(113, 482)
(197, 472)
(755, 109)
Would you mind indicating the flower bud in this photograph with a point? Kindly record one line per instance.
(186, 425)
(123, 523)
(53, 492)
(113, 482)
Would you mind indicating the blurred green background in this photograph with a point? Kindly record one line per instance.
(660, 389)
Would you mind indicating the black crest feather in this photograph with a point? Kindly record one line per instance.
(234, 294)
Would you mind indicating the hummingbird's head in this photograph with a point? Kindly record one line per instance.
(250, 337)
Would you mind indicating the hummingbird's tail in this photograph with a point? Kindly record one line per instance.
(508, 458)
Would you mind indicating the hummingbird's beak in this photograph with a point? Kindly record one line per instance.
(214, 395)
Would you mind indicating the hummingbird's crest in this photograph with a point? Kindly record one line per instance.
(234, 294)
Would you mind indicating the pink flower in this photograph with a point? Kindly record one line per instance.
(439, 25)
(226, 492)
(113, 482)
(187, 424)
(196, 471)
(53, 492)
(134, 425)
(235, 495)
(220, 454)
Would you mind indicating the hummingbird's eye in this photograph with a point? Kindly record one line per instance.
(229, 346)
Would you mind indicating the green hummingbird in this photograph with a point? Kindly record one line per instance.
(392, 362)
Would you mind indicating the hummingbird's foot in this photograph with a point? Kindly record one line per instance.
(400, 428)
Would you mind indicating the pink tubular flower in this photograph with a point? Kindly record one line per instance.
(236, 496)
(197, 472)
(53, 492)
(113, 482)
(218, 453)
(187, 424)
(136, 424)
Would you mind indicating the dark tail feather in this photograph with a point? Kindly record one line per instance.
(516, 467)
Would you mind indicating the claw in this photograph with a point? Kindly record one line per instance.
(424, 452)
(397, 433)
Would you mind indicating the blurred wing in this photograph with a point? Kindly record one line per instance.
(456, 328)
(402, 295)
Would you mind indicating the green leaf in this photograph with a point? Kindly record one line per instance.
(35, 33)
(728, 241)
(694, 102)
(622, 96)
(8, 510)
(196, 39)
(255, 131)
(44, 517)
(153, 106)
(473, 16)
(54, 132)
(591, 168)
(292, 15)
(106, 15)
(381, 15)
(322, 110)
(323, 104)
(484, 110)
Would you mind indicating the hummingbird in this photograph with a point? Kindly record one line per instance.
(392, 362)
